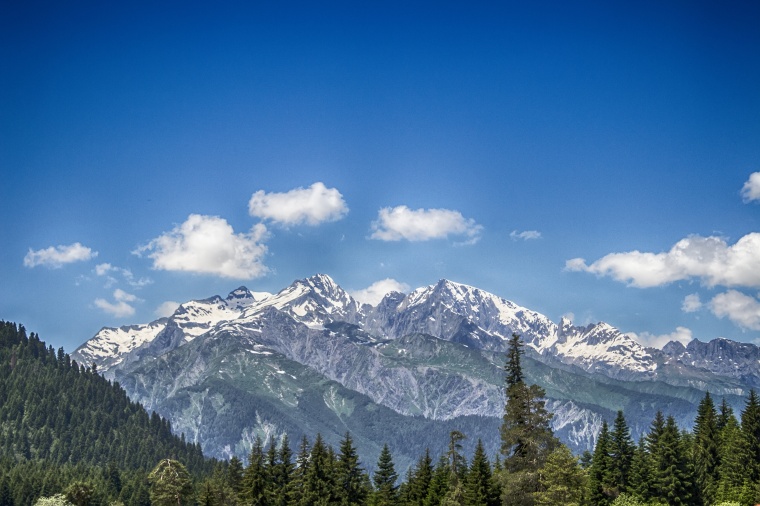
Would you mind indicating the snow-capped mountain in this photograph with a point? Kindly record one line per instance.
(434, 356)
(112, 347)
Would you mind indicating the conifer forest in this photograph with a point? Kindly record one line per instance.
(70, 437)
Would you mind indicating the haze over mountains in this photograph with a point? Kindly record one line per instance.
(312, 359)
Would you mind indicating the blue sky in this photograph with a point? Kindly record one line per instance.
(591, 159)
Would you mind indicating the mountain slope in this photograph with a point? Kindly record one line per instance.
(430, 357)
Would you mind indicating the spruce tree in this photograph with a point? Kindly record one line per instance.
(671, 475)
(235, 474)
(621, 454)
(419, 484)
(255, 476)
(319, 484)
(732, 467)
(479, 486)
(562, 479)
(349, 474)
(526, 435)
(170, 484)
(385, 480)
(599, 489)
(640, 477)
(751, 431)
(705, 456)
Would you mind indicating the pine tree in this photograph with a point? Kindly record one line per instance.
(283, 474)
(640, 478)
(599, 490)
(526, 435)
(705, 454)
(479, 489)
(751, 431)
(349, 474)
(562, 479)
(255, 476)
(439, 484)
(621, 454)
(732, 467)
(385, 480)
(170, 484)
(671, 474)
(235, 474)
(419, 484)
(319, 484)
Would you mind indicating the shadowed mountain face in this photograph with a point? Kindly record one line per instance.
(312, 359)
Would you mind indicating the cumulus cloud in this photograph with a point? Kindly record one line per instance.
(166, 309)
(209, 245)
(311, 206)
(709, 259)
(525, 235)
(743, 310)
(375, 292)
(56, 257)
(681, 334)
(691, 303)
(120, 307)
(106, 269)
(751, 189)
(397, 223)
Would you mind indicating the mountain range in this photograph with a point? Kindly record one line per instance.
(406, 372)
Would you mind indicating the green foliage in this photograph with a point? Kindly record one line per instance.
(170, 484)
(56, 500)
(562, 479)
(386, 490)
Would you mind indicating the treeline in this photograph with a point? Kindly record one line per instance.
(68, 436)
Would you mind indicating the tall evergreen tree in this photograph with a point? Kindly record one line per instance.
(479, 487)
(600, 492)
(640, 480)
(562, 479)
(319, 483)
(255, 476)
(349, 474)
(751, 431)
(621, 454)
(385, 480)
(419, 484)
(235, 474)
(671, 474)
(526, 435)
(705, 451)
(170, 484)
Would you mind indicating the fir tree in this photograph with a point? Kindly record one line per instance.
(705, 450)
(235, 474)
(255, 476)
(640, 477)
(419, 484)
(170, 484)
(479, 487)
(385, 480)
(621, 454)
(562, 479)
(751, 431)
(319, 484)
(599, 489)
(671, 475)
(732, 467)
(349, 474)
(526, 435)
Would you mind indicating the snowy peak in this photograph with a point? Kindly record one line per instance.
(602, 348)
(313, 301)
(242, 297)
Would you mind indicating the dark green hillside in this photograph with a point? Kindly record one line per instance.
(61, 422)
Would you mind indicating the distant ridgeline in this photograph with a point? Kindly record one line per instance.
(61, 421)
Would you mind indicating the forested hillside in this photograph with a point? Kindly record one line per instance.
(60, 421)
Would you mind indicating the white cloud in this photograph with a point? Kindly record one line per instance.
(397, 223)
(681, 334)
(374, 293)
(166, 309)
(710, 259)
(743, 310)
(525, 235)
(105, 269)
(691, 303)
(209, 245)
(55, 257)
(120, 307)
(311, 206)
(751, 189)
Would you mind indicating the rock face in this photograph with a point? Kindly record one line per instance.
(312, 359)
